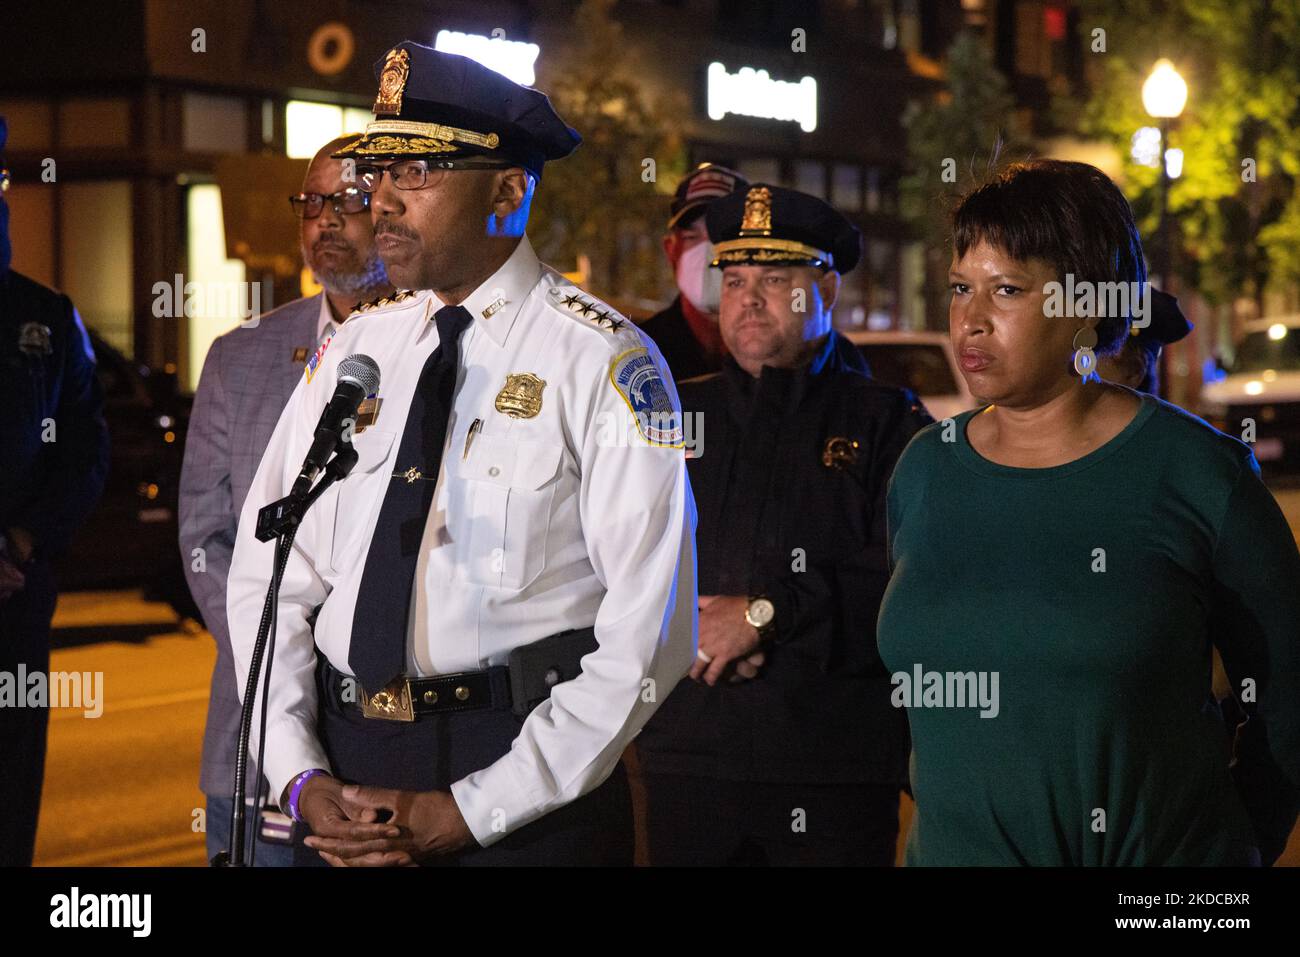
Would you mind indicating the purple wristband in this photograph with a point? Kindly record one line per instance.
(296, 790)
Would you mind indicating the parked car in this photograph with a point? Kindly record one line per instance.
(920, 361)
(1262, 385)
(130, 540)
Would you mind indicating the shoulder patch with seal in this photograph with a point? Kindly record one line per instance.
(573, 300)
(636, 377)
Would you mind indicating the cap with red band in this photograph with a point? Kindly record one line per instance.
(701, 186)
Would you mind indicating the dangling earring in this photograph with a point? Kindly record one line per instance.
(1085, 360)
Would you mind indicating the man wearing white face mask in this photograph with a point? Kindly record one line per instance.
(687, 330)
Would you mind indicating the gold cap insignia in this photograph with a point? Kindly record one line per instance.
(758, 212)
(521, 396)
(392, 81)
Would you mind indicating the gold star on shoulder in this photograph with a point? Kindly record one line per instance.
(574, 302)
(400, 295)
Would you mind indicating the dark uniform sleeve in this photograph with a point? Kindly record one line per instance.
(847, 593)
(77, 466)
(206, 511)
(1257, 630)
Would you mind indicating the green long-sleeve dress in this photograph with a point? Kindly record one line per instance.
(1093, 591)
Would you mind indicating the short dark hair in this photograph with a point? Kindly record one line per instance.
(1069, 214)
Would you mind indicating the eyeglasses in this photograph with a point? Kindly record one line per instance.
(311, 205)
(4, 179)
(415, 174)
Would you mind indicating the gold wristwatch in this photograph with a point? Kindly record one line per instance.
(760, 613)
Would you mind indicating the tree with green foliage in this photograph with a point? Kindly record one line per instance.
(954, 142)
(607, 201)
(1236, 206)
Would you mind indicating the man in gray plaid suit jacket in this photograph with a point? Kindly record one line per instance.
(247, 378)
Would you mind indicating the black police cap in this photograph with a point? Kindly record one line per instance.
(444, 105)
(773, 226)
(1168, 324)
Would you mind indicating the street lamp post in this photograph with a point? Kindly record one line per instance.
(1164, 94)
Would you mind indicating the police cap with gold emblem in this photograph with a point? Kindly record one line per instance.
(771, 226)
(447, 106)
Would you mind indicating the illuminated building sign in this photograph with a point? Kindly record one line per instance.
(750, 92)
(508, 57)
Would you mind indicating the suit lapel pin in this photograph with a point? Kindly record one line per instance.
(840, 452)
(34, 339)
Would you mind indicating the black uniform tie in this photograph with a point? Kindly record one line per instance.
(377, 653)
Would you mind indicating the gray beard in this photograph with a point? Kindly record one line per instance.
(371, 275)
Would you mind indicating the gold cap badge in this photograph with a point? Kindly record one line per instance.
(758, 212)
(392, 81)
(521, 396)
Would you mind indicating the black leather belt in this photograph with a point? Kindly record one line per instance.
(534, 670)
(405, 699)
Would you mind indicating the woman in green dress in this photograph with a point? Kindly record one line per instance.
(1063, 559)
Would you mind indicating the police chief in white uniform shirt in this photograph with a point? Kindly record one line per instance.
(561, 502)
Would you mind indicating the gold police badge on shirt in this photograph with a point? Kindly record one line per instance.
(521, 396)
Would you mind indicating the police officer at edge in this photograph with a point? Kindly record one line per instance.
(54, 446)
(785, 748)
(507, 498)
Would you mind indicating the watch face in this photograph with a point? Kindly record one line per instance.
(760, 613)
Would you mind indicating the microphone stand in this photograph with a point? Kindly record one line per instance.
(279, 520)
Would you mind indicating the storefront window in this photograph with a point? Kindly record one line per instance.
(95, 263)
(218, 282)
(810, 177)
(761, 170)
(214, 124)
(846, 188)
(309, 126)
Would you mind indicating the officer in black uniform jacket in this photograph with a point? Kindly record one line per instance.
(54, 450)
(782, 746)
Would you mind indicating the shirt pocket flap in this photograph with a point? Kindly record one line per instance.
(372, 449)
(516, 464)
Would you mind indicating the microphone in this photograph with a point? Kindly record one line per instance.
(358, 377)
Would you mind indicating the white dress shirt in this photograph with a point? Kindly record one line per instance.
(325, 324)
(566, 519)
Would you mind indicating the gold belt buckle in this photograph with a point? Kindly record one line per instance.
(393, 703)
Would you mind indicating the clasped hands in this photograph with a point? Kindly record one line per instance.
(726, 638)
(357, 826)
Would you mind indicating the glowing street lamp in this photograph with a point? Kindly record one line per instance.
(1164, 94)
